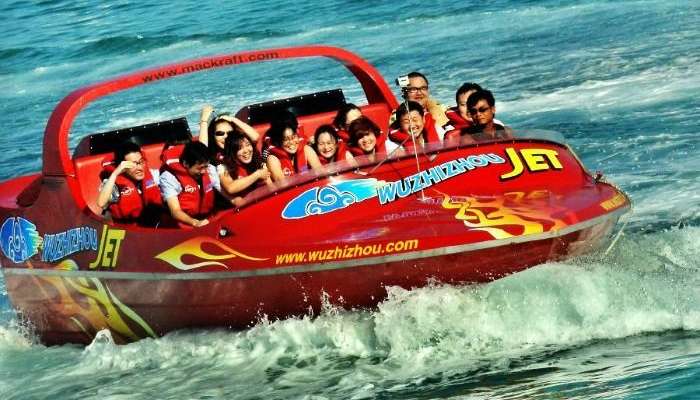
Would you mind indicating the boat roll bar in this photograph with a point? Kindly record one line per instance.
(56, 155)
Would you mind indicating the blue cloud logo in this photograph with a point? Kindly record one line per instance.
(19, 239)
(329, 198)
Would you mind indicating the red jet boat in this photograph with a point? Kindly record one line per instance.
(454, 214)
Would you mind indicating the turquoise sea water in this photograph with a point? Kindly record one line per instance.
(620, 79)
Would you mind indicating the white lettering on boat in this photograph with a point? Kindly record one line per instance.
(63, 244)
(424, 179)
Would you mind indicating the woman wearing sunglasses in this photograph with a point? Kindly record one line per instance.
(218, 129)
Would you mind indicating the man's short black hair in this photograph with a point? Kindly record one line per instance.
(194, 153)
(412, 106)
(416, 74)
(124, 149)
(482, 94)
(466, 87)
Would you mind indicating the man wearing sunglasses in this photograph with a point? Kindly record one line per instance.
(481, 106)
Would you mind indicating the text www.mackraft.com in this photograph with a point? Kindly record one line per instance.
(346, 252)
(212, 63)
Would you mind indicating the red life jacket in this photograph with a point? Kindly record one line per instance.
(454, 127)
(340, 154)
(343, 135)
(171, 154)
(241, 172)
(131, 203)
(456, 120)
(429, 133)
(196, 201)
(291, 166)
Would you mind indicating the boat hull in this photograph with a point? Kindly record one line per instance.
(72, 306)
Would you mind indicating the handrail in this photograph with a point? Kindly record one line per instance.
(56, 156)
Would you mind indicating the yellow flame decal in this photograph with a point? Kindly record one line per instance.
(193, 247)
(91, 306)
(67, 265)
(614, 202)
(100, 297)
(494, 215)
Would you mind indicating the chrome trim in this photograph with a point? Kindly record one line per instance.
(463, 248)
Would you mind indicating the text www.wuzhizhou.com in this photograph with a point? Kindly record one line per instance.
(347, 252)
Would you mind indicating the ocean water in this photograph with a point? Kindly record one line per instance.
(620, 80)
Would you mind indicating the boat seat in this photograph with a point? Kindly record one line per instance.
(88, 168)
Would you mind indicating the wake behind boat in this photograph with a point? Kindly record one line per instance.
(455, 214)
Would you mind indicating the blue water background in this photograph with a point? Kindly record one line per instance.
(620, 79)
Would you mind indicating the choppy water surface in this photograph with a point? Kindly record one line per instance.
(619, 79)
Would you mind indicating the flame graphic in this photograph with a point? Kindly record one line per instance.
(193, 247)
(494, 215)
(90, 305)
(614, 202)
(67, 265)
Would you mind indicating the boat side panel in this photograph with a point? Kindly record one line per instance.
(74, 309)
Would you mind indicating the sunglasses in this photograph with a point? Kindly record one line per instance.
(480, 110)
(221, 133)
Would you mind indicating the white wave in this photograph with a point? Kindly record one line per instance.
(648, 284)
(604, 98)
(15, 336)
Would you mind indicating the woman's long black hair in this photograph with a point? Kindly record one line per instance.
(215, 152)
(231, 147)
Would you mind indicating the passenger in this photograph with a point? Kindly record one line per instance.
(129, 190)
(363, 139)
(459, 116)
(348, 113)
(328, 145)
(411, 122)
(218, 129)
(419, 91)
(244, 168)
(482, 109)
(192, 205)
(288, 154)
(290, 119)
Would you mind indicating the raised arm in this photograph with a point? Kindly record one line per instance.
(275, 168)
(107, 188)
(233, 186)
(204, 116)
(312, 159)
(248, 130)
